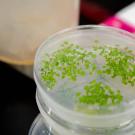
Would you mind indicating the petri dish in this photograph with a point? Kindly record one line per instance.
(85, 80)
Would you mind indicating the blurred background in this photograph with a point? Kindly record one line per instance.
(18, 105)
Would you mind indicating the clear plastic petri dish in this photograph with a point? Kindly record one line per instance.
(41, 127)
(85, 79)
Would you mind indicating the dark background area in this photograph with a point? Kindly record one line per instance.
(18, 105)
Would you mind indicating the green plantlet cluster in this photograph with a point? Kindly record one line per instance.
(70, 61)
(118, 62)
(96, 93)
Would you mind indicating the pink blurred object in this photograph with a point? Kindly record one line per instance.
(125, 19)
(117, 22)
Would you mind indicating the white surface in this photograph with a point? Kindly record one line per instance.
(128, 14)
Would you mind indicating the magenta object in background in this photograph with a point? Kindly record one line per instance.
(119, 23)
